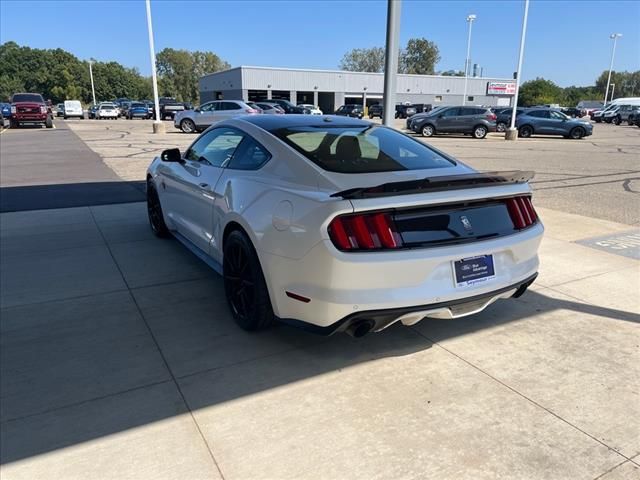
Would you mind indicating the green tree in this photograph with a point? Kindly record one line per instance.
(180, 70)
(363, 60)
(419, 57)
(627, 84)
(539, 92)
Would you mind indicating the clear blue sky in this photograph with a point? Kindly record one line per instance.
(567, 41)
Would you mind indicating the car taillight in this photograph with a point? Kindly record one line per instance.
(369, 231)
(521, 212)
(492, 117)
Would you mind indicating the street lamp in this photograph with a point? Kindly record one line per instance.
(512, 133)
(470, 19)
(93, 90)
(613, 89)
(614, 37)
(158, 126)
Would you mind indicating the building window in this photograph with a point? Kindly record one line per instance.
(470, 98)
(255, 95)
(280, 95)
(438, 98)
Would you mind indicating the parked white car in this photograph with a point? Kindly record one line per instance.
(107, 110)
(313, 109)
(336, 224)
(73, 109)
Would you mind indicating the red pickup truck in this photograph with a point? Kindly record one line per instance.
(29, 108)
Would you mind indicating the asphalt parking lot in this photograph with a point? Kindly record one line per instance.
(119, 358)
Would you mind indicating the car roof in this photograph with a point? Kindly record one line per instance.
(275, 122)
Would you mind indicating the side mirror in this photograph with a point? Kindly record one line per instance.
(171, 155)
(197, 110)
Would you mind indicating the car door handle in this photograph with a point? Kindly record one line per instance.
(203, 185)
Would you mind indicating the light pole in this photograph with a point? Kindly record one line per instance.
(391, 60)
(467, 62)
(93, 90)
(158, 126)
(512, 133)
(614, 37)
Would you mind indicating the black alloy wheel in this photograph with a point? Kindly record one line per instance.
(526, 131)
(244, 283)
(154, 212)
(577, 133)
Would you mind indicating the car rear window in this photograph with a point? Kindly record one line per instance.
(27, 97)
(366, 149)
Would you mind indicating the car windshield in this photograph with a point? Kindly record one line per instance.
(137, 105)
(28, 97)
(366, 149)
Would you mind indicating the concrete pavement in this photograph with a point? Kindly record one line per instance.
(119, 359)
(53, 168)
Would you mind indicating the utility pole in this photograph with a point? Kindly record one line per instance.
(512, 133)
(93, 90)
(467, 62)
(158, 126)
(391, 60)
(614, 37)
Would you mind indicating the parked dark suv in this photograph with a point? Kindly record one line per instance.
(350, 110)
(475, 121)
(376, 110)
(405, 111)
(503, 120)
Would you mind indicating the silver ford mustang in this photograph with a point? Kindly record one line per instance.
(336, 224)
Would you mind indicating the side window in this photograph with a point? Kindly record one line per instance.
(216, 147)
(250, 155)
(557, 116)
(539, 114)
(226, 106)
(451, 112)
(207, 107)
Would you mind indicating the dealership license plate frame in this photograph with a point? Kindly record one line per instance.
(473, 270)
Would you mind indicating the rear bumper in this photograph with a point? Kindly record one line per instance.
(342, 285)
(377, 320)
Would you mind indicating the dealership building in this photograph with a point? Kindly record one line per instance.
(331, 88)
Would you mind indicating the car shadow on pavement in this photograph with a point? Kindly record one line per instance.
(67, 195)
(204, 359)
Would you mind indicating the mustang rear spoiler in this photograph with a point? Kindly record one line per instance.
(438, 184)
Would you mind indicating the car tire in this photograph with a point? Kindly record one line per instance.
(525, 131)
(48, 122)
(479, 132)
(501, 127)
(427, 130)
(577, 133)
(188, 126)
(14, 123)
(154, 212)
(370, 117)
(244, 284)
(617, 120)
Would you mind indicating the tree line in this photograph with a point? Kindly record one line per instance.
(541, 91)
(59, 75)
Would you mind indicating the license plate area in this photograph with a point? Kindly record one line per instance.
(473, 270)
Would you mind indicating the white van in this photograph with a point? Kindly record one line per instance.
(612, 108)
(73, 108)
